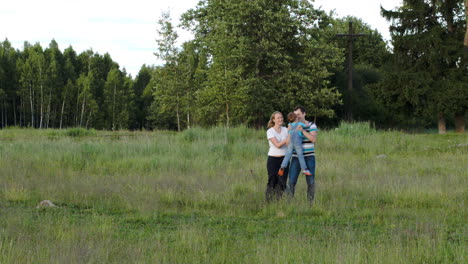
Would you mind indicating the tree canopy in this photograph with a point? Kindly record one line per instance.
(246, 60)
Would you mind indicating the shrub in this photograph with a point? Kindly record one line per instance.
(355, 129)
(80, 132)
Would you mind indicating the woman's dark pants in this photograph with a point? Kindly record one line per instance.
(276, 184)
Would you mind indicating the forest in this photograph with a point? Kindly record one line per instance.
(246, 60)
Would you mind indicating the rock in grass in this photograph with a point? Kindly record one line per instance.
(381, 156)
(45, 203)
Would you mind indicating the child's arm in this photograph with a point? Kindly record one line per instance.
(312, 136)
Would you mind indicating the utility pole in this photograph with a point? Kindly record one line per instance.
(350, 36)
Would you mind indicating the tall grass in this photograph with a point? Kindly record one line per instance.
(198, 196)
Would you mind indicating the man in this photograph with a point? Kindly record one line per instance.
(310, 137)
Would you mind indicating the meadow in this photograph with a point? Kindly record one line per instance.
(199, 197)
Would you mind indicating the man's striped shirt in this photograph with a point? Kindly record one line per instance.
(307, 145)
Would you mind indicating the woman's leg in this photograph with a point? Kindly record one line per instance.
(276, 184)
(272, 169)
(282, 181)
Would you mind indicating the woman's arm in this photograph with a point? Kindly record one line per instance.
(286, 141)
(278, 144)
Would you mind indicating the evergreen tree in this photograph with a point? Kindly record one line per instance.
(8, 84)
(142, 102)
(427, 76)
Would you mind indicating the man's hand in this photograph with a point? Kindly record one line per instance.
(299, 128)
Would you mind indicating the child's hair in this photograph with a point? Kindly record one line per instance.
(292, 117)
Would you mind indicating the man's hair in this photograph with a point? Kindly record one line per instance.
(292, 117)
(300, 107)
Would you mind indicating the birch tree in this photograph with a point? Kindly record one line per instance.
(168, 94)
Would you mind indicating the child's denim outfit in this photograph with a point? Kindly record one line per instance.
(295, 143)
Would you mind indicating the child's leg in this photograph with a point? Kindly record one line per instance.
(300, 156)
(288, 155)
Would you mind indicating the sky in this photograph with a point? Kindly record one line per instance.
(127, 29)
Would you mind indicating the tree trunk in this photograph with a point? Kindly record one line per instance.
(31, 96)
(227, 114)
(178, 116)
(61, 113)
(21, 112)
(188, 111)
(42, 98)
(460, 122)
(1, 125)
(442, 128)
(6, 112)
(48, 109)
(77, 107)
(14, 110)
(87, 120)
(226, 96)
(466, 32)
(82, 109)
(113, 110)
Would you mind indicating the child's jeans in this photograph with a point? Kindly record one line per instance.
(295, 143)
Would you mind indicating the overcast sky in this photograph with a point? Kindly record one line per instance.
(127, 29)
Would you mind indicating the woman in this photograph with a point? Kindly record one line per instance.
(277, 136)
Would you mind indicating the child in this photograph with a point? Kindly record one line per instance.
(295, 143)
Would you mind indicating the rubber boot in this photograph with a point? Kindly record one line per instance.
(310, 193)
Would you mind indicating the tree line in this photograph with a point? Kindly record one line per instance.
(248, 59)
(45, 88)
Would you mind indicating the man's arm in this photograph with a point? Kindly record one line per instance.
(312, 136)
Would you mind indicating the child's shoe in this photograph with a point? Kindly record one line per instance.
(307, 172)
(281, 172)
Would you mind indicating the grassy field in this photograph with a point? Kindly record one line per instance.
(198, 197)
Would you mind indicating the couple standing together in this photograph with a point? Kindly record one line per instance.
(300, 136)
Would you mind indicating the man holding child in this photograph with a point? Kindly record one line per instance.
(308, 131)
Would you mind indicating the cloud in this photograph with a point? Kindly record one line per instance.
(125, 29)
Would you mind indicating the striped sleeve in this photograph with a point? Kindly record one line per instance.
(307, 145)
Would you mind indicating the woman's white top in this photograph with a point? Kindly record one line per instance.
(272, 133)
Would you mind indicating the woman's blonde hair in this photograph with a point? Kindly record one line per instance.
(271, 123)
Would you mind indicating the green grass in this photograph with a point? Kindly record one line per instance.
(198, 197)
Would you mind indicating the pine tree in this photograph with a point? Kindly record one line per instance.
(427, 76)
(9, 83)
(138, 117)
